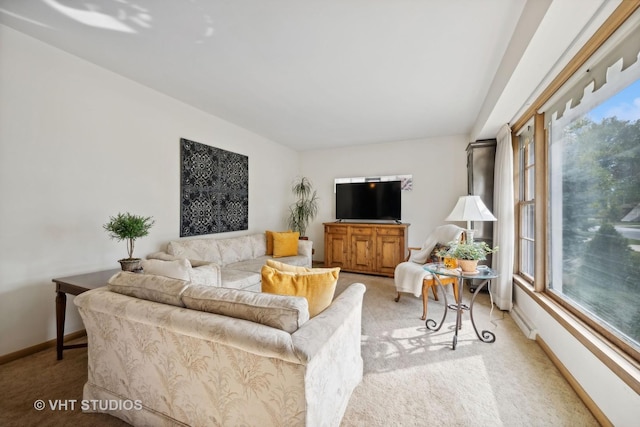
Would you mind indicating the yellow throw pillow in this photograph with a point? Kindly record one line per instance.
(285, 244)
(269, 235)
(281, 266)
(318, 287)
(288, 268)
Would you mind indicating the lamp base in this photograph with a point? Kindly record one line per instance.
(469, 235)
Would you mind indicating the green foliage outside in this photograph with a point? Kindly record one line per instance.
(601, 184)
(128, 227)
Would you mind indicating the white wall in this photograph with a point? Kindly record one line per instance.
(438, 166)
(79, 144)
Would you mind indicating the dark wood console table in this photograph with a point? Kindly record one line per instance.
(75, 285)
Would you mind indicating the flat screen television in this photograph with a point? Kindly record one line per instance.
(379, 200)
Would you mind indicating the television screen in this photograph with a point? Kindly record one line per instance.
(369, 200)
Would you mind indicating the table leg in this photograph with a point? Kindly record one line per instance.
(430, 323)
(486, 336)
(61, 307)
(459, 308)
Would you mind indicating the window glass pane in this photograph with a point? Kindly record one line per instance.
(527, 250)
(531, 151)
(527, 221)
(530, 184)
(595, 212)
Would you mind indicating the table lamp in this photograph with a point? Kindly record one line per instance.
(470, 208)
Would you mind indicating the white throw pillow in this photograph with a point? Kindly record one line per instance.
(177, 269)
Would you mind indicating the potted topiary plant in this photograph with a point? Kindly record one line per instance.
(468, 254)
(305, 208)
(128, 227)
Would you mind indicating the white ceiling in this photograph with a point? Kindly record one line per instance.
(314, 74)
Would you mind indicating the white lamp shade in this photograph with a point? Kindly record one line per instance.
(470, 208)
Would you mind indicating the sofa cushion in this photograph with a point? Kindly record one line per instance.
(258, 244)
(196, 250)
(176, 269)
(285, 244)
(317, 285)
(251, 265)
(164, 256)
(235, 249)
(277, 311)
(206, 274)
(149, 287)
(238, 279)
(298, 260)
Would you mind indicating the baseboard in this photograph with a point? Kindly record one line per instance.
(586, 399)
(10, 357)
(523, 323)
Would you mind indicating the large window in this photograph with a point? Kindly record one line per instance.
(578, 176)
(526, 205)
(594, 209)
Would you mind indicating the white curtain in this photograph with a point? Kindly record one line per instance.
(503, 230)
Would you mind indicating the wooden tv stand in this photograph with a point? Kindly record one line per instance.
(372, 248)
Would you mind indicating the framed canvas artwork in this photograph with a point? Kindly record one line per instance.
(214, 186)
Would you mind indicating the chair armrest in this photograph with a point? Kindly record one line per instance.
(411, 248)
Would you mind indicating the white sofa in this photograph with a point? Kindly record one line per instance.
(172, 353)
(239, 259)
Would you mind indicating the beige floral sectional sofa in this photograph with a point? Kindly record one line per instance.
(190, 350)
(236, 262)
(165, 352)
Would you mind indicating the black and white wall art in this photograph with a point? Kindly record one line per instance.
(214, 186)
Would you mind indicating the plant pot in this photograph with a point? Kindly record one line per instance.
(468, 265)
(130, 264)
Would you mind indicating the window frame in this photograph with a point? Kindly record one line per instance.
(523, 199)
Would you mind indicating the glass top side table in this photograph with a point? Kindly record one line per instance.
(485, 274)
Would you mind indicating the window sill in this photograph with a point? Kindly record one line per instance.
(621, 364)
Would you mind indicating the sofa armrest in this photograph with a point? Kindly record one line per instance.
(305, 248)
(344, 312)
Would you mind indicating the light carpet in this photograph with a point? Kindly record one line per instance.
(412, 377)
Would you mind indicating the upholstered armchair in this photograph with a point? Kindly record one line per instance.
(410, 275)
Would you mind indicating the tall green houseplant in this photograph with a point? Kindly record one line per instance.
(128, 227)
(305, 209)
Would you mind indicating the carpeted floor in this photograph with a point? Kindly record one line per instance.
(412, 377)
